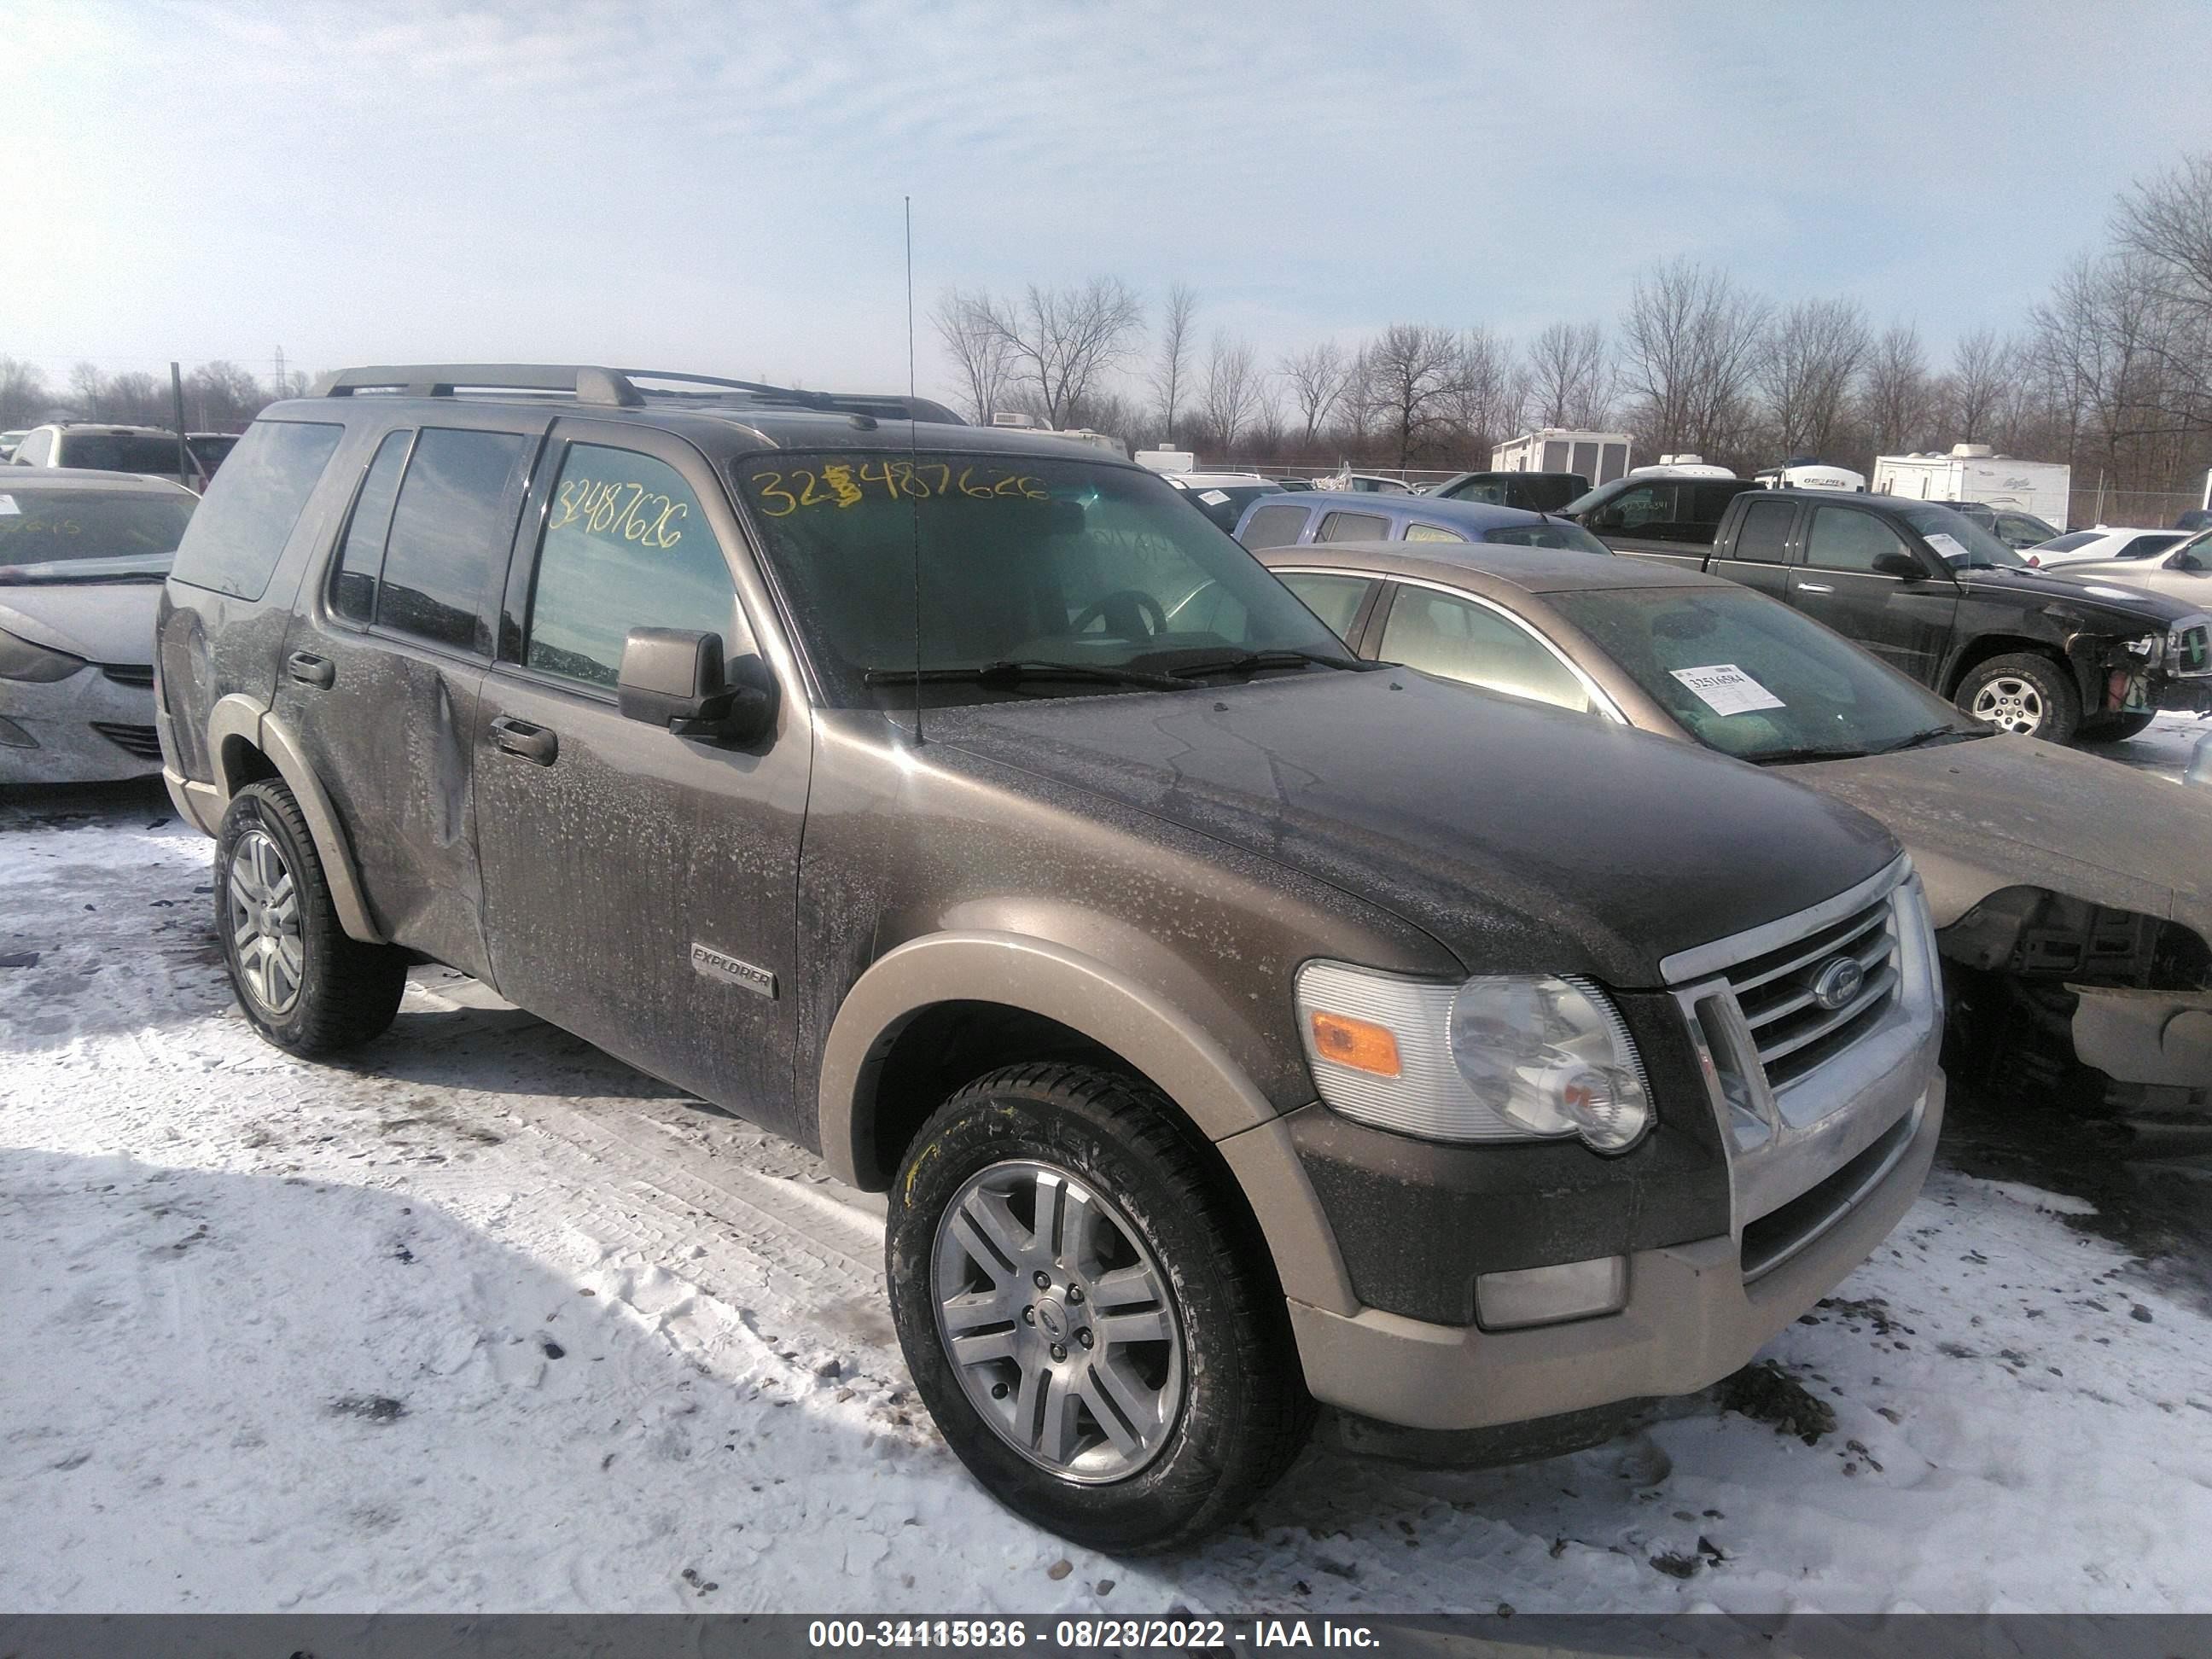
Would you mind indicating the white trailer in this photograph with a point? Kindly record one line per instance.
(1811, 474)
(1600, 457)
(1974, 472)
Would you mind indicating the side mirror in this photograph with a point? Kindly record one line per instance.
(1607, 518)
(2188, 562)
(1902, 565)
(674, 677)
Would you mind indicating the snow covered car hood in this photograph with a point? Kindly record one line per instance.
(2006, 811)
(102, 621)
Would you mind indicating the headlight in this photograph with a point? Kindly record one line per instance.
(22, 661)
(1499, 1058)
(2150, 648)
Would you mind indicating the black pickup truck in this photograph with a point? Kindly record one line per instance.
(1932, 593)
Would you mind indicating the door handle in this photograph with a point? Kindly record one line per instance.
(533, 742)
(1815, 587)
(309, 669)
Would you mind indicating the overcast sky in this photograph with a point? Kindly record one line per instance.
(719, 189)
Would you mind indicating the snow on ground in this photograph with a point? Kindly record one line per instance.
(485, 1321)
(2165, 747)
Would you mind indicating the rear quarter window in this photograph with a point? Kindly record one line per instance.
(1275, 527)
(239, 533)
(1353, 527)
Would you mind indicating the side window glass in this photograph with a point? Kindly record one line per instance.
(1353, 527)
(1335, 600)
(1648, 508)
(626, 546)
(238, 535)
(1440, 634)
(353, 582)
(1431, 533)
(1275, 527)
(1764, 536)
(449, 537)
(1844, 540)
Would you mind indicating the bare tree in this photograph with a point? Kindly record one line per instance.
(1689, 342)
(1062, 341)
(1569, 376)
(1981, 363)
(978, 350)
(221, 396)
(1813, 356)
(1409, 379)
(23, 396)
(136, 398)
(88, 383)
(1897, 402)
(1230, 394)
(1485, 400)
(1170, 376)
(2168, 221)
(1316, 379)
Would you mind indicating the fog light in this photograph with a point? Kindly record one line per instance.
(12, 735)
(1549, 1296)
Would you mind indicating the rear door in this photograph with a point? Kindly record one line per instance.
(1906, 622)
(640, 887)
(1763, 548)
(381, 668)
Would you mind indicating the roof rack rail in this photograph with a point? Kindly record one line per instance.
(617, 387)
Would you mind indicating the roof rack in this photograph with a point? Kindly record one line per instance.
(618, 387)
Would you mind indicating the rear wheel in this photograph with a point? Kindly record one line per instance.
(1095, 1333)
(2030, 695)
(302, 982)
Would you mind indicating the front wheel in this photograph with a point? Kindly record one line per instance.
(2029, 696)
(1094, 1328)
(2118, 728)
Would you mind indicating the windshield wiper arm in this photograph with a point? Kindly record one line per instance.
(1009, 672)
(1246, 661)
(1932, 733)
(1795, 757)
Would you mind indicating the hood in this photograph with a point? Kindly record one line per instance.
(101, 622)
(1524, 839)
(2008, 811)
(2128, 607)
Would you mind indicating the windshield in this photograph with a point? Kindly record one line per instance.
(1964, 544)
(1748, 675)
(1021, 559)
(56, 526)
(1552, 533)
(119, 452)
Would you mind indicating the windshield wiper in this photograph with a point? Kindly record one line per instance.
(1933, 732)
(1009, 672)
(1248, 661)
(1796, 756)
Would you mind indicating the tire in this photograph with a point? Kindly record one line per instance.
(300, 981)
(2118, 728)
(1211, 1413)
(2025, 694)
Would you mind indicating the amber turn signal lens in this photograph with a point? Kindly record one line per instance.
(1361, 1044)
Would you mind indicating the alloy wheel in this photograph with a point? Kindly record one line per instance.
(2011, 704)
(1058, 1322)
(264, 918)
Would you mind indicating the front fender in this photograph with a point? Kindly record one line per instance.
(1132, 1020)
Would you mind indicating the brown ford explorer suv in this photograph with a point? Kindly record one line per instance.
(1234, 1025)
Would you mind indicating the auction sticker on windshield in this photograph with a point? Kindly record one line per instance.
(8, 507)
(1949, 546)
(1727, 690)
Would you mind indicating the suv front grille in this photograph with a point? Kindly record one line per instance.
(2192, 650)
(125, 673)
(140, 740)
(1780, 991)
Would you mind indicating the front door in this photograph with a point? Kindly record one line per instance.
(1906, 621)
(640, 887)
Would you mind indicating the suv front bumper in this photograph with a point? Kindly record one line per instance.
(1691, 1316)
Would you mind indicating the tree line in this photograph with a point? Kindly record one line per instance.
(219, 396)
(2112, 370)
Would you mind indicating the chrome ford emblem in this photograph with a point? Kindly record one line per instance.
(1838, 983)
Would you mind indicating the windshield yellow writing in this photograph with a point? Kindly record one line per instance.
(845, 483)
(14, 526)
(617, 507)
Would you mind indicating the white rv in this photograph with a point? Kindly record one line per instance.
(1680, 466)
(1974, 472)
(1811, 474)
(1600, 457)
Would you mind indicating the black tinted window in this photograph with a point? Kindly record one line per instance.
(1353, 527)
(54, 526)
(1708, 500)
(449, 537)
(1843, 540)
(1335, 600)
(353, 585)
(1764, 536)
(1275, 527)
(627, 546)
(240, 532)
(119, 452)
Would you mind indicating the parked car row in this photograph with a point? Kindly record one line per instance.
(103, 446)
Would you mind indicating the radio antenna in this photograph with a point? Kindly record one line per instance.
(914, 465)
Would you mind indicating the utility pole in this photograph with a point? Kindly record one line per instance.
(177, 398)
(284, 386)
